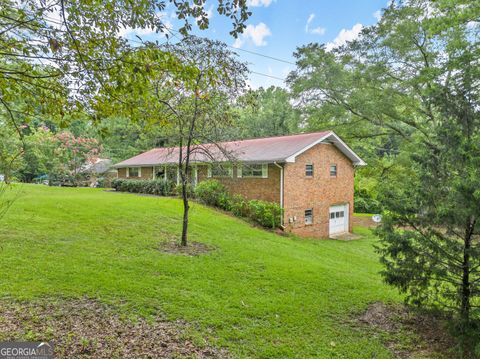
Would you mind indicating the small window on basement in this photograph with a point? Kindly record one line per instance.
(333, 170)
(309, 170)
(133, 172)
(308, 216)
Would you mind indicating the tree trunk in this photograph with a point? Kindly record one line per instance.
(466, 289)
(6, 177)
(186, 207)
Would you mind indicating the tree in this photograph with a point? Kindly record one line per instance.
(410, 86)
(192, 100)
(266, 112)
(56, 55)
(11, 151)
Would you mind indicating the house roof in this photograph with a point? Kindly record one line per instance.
(259, 150)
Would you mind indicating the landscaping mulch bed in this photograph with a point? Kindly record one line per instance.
(88, 329)
(192, 248)
(428, 337)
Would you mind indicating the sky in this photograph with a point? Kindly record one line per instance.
(277, 28)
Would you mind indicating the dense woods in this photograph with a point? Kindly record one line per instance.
(404, 94)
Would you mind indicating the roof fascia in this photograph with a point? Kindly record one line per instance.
(342, 146)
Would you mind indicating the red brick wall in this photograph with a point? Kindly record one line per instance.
(267, 189)
(147, 174)
(318, 192)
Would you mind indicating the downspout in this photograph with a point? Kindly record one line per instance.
(281, 193)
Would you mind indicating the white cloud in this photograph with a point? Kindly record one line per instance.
(317, 30)
(256, 33)
(344, 36)
(377, 15)
(257, 3)
(210, 12)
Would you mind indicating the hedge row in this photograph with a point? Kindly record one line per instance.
(211, 193)
(159, 187)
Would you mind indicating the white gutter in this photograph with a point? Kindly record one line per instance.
(281, 192)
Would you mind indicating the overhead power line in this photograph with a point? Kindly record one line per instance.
(262, 55)
(271, 76)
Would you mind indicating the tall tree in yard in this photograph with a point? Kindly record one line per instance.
(193, 100)
(413, 81)
(56, 55)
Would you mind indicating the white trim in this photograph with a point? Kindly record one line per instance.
(281, 189)
(195, 175)
(139, 172)
(128, 172)
(342, 146)
(265, 170)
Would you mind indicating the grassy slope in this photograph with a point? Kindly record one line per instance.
(259, 294)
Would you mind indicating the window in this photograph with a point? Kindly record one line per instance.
(309, 170)
(217, 170)
(253, 170)
(333, 170)
(133, 172)
(339, 214)
(309, 216)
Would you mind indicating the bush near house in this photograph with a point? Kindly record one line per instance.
(159, 187)
(213, 193)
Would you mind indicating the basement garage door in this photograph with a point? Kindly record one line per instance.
(338, 219)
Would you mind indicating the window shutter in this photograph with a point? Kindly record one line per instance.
(230, 170)
(239, 171)
(209, 171)
(139, 171)
(128, 172)
(265, 171)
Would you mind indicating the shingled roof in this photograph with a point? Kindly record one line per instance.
(259, 150)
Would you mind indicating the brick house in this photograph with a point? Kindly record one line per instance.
(310, 175)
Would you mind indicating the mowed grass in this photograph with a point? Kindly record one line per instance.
(258, 294)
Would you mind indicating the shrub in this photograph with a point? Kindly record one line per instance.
(267, 214)
(239, 206)
(365, 203)
(212, 193)
(159, 187)
(190, 190)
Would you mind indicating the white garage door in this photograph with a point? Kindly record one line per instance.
(338, 219)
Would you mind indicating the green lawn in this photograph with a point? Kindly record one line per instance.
(258, 294)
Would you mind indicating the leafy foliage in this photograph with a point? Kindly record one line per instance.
(409, 87)
(213, 193)
(264, 113)
(159, 187)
